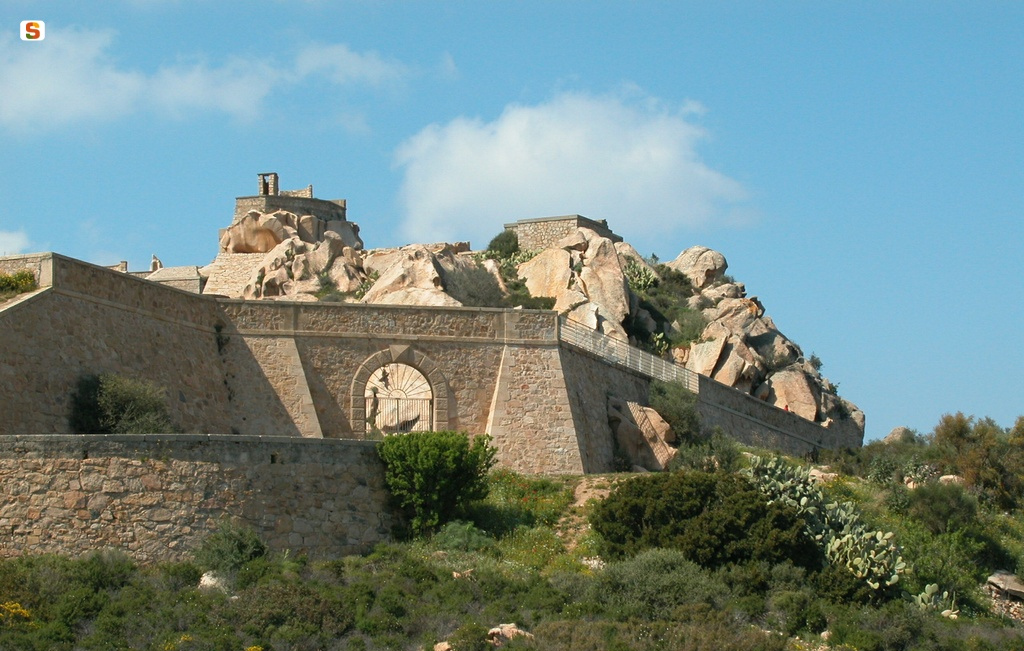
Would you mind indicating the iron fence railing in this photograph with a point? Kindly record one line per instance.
(390, 415)
(621, 353)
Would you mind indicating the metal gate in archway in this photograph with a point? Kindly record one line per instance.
(398, 399)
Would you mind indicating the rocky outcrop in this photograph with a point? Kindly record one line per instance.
(261, 233)
(584, 275)
(899, 435)
(642, 435)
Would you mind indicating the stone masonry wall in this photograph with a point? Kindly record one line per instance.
(116, 324)
(157, 498)
(38, 263)
(531, 418)
(325, 209)
(535, 234)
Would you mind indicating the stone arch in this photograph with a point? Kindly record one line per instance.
(399, 354)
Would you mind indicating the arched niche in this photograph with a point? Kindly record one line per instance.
(399, 373)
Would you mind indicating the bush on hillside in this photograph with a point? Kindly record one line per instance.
(942, 508)
(114, 404)
(714, 518)
(504, 245)
(230, 548)
(433, 476)
(475, 287)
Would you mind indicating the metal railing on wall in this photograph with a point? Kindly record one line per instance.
(621, 353)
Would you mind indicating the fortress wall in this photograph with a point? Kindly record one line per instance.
(334, 340)
(94, 320)
(531, 416)
(158, 497)
(590, 382)
(753, 422)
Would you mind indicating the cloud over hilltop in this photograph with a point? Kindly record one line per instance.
(626, 159)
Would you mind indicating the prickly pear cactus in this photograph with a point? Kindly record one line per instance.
(871, 556)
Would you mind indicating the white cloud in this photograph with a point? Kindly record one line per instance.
(13, 242)
(72, 78)
(602, 157)
(343, 66)
(236, 89)
(66, 78)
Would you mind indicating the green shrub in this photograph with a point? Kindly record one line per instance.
(433, 476)
(114, 404)
(18, 282)
(461, 536)
(654, 583)
(678, 406)
(474, 287)
(714, 518)
(716, 453)
(942, 507)
(868, 554)
(230, 548)
(504, 245)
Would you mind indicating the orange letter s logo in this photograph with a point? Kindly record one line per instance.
(33, 30)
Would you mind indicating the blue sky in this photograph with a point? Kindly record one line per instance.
(859, 164)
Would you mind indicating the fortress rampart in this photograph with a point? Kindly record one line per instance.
(262, 384)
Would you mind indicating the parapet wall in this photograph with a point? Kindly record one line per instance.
(322, 208)
(158, 497)
(536, 234)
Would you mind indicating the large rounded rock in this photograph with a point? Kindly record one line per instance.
(703, 266)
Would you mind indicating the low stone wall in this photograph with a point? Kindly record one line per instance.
(157, 497)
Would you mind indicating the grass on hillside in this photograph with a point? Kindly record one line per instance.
(524, 555)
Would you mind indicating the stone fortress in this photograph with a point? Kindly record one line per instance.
(280, 395)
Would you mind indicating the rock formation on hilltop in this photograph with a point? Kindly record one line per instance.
(687, 310)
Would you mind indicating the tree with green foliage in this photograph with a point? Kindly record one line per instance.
(504, 245)
(433, 476)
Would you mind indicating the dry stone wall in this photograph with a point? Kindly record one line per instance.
(157, 498)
